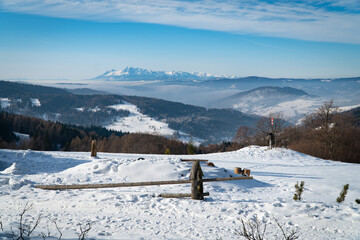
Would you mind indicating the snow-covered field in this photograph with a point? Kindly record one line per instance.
(138, 212)
(4, 102)
(35, 102)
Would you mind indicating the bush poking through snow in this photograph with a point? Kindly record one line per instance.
(357, 201)
(26, 228)
(298, 190)
(254, 229)
(84, 230)
(343, 193)
(288, 235)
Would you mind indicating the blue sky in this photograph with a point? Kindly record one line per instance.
(79, 39)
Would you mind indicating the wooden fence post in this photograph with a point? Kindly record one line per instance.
(197, 190)
(93, 148)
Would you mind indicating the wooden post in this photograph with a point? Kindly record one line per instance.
(247, 172)
(197, 190)
(238, 171)
(93, 148)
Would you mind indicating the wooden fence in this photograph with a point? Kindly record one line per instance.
(196, 181)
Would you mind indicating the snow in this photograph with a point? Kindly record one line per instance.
(138, 212)
(4, 102)
(35, 102)
(137, 122)
(95, 109)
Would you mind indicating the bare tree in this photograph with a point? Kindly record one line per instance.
(243, 136)
(328, 128)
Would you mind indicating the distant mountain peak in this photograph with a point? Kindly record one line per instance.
(132, 73)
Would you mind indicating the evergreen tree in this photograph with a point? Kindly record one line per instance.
(298, 190)
(167, 151)
(191, 147)
(343, 193)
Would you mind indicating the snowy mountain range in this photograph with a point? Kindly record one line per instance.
(131, 74)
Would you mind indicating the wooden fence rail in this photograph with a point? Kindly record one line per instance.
(132, 184)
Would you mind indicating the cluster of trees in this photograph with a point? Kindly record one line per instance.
(327, 133)
(52, 136)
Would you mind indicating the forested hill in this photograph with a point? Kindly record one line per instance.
(212, 125)
(24, 90)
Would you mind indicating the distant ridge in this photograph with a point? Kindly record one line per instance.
(131, 74)
(270, 91)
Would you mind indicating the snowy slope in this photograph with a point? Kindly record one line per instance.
(137, 213)
(137, 122)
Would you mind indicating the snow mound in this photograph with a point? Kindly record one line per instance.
(12, 170)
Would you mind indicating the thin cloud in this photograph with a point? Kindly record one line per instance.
(321, 20)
